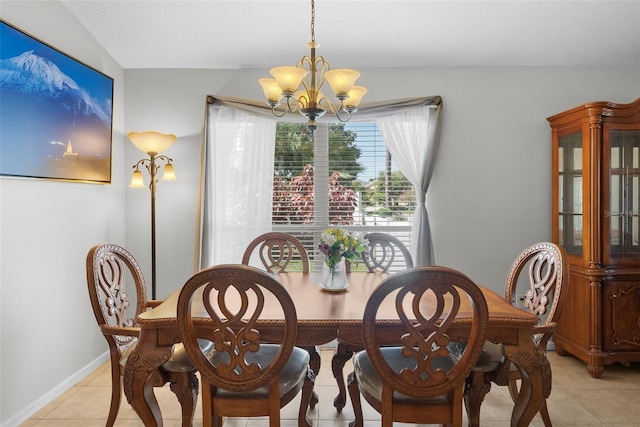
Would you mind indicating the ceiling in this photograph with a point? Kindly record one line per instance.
(364, 33)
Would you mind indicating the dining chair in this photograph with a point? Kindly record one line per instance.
(418, 381)
(541, 292)
(385, 253)
(109, 269)
(277, 252)
(244, 376)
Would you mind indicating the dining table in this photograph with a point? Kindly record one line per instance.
(325, 316)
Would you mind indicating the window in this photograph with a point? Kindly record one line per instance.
(343, 176)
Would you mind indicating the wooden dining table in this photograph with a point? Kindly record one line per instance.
(324, 316)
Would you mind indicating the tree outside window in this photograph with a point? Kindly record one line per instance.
(366, 192)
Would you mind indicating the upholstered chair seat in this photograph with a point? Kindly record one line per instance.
(371, 382)
(292, 374)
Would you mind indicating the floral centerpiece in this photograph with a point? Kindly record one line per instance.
(338, 245)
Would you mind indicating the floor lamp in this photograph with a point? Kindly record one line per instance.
(152, 143)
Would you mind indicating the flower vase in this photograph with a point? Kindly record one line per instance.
(334, 278)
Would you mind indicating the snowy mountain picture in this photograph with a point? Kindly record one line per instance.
(55, 112)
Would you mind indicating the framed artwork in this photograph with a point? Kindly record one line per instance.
(55, 112)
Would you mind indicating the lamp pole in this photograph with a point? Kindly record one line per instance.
(152, 167)
(152, 143)
(153, 170)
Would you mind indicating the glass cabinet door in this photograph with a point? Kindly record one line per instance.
(624, 188)
(570, 192)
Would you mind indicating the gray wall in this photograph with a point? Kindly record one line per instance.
(490, 195)
(48, 336)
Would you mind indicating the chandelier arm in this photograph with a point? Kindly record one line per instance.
(341, 111)
(322, 66)
(327, 104)
(292, 105)
(275, 112)
(305, 62)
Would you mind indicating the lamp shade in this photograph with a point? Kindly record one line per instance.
(137, 180)
(355, 96)
(169, 173)
(341, 80)
(151, 141)
(271, 89)
(288, 78)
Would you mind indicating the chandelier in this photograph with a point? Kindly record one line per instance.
(301, 86)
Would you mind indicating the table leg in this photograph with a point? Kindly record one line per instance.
(535, 387)
(341, 356)
(141, 375)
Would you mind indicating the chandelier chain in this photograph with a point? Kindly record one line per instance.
(313, 20)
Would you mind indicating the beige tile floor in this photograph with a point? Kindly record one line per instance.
(576, 400)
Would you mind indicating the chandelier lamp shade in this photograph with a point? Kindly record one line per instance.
(152, 143)
(301, 85)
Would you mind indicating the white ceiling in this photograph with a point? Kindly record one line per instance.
(358, 33)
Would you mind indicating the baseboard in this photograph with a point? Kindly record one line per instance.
(54, 393)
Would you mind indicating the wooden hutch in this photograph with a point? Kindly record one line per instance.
(596, 218)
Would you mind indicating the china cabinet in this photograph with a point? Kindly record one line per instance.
(596, 218)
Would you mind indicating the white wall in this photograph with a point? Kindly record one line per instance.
(48, 335)
(490, 195)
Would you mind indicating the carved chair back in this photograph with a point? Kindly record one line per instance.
(243, 376)
(421, 369)
(276, 252)
(426, 336)
(110, 269)
(387, 253)
(541, 292)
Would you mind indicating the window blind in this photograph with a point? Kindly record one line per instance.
(341, 176)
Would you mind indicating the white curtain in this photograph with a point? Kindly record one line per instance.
(237, 170)
(236, 186)
(412, 137)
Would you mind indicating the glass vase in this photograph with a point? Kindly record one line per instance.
(334, 278)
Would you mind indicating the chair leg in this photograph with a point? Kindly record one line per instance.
(544, 413)
(474, 392)
(185, 386)
(274, 414)
(314, 363)
(354, 394)
(305, 403)
(116, 393)
(513, 389)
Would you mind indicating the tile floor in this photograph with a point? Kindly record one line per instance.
(576, 400)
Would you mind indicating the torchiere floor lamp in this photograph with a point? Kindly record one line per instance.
(152, 143)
